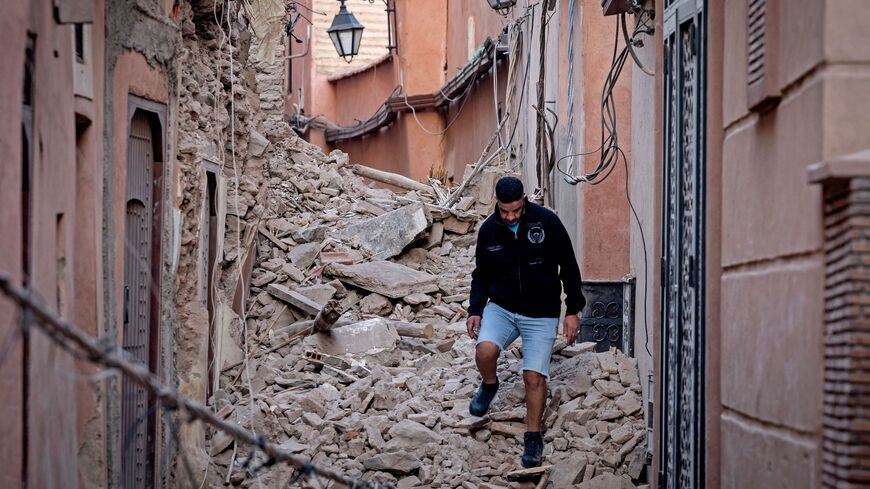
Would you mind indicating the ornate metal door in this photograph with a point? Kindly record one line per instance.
(681, 461)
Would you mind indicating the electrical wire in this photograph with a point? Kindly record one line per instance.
(227, 37)
(629, 41)
(463, 97)
(645, 257)
(609, 147)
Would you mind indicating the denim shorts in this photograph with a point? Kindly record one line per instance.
(503, 327)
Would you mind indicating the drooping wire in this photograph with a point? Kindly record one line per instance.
(645, 257)
(609, 147)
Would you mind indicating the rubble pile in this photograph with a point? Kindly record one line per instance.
(384, 395)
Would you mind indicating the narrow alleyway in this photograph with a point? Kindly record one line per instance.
(384, 394)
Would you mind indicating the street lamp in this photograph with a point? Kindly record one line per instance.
(502, 6)
(346, 33)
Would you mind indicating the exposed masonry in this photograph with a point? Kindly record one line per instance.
(846, 446)
(387, 400)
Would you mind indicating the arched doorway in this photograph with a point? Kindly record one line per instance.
(141, 291)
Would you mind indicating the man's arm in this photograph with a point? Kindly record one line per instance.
(569, 273)
(480, 280)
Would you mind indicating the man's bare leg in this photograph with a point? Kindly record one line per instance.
(487, 361)
(536, 396)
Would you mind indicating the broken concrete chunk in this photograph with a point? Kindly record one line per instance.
(310, 234)
(364, 206)
(629, 403)
(436, 234)
(609, 388)
(293, 447)
(454, 225)
(257, 143)
(418, 299)
(263, 279)
(343, 257)
(578, 348)
(369, 336)
(386, 278)
(409, 434)
(293, 272)
(303, 255)
(401, 462)
(295, 299)
(220, 442)
(387, 235)
(320, 293)
(375, 304)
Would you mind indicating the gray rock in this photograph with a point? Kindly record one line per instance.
(607, 481)
(386, 278)
(320, 293)
(257, 143)
(418, 299)
(401, 462)
(263, 279)
(293, 447)
(629, 403)
(407, 434)
(609, 388)
(369, 336)
(375, 304)
(310, 234)
(303, 255)
(385, 236)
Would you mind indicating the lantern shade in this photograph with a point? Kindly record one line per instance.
(502, 6)
(346, 33)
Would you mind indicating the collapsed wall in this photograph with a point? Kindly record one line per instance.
(386, 396)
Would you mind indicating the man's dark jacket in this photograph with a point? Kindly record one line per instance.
(522, 272)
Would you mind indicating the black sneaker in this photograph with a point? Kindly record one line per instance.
(482, 399)
(534, 451)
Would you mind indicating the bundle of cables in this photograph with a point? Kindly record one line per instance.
(609, 147)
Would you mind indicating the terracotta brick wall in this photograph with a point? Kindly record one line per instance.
(846, 452)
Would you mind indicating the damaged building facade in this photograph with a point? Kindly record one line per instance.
(187, 183)
(132, 129)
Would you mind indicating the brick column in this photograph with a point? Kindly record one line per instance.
(846, 405)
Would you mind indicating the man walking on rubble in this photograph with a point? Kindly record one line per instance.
(523, 253)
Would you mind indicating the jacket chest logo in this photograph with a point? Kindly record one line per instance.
(536, 234)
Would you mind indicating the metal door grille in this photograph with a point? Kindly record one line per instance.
(136, 421)
(682, 414)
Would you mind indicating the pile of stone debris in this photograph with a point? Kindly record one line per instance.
(384, 395)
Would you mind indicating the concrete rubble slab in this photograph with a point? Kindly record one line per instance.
(364, 337)
(385, 236)
(295, 299)
(320, 293)
(386, 278)
(303, 255)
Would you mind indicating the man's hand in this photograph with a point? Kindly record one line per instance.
(572, 326)
(473, 326)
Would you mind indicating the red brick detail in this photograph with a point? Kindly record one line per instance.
(846, 410)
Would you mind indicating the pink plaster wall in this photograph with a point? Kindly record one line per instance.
(471, 128)
(772, 257)
(13, 31)
(487, 23)
(604, 229)
(88, 276)
(50, 449)
(359, 96)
